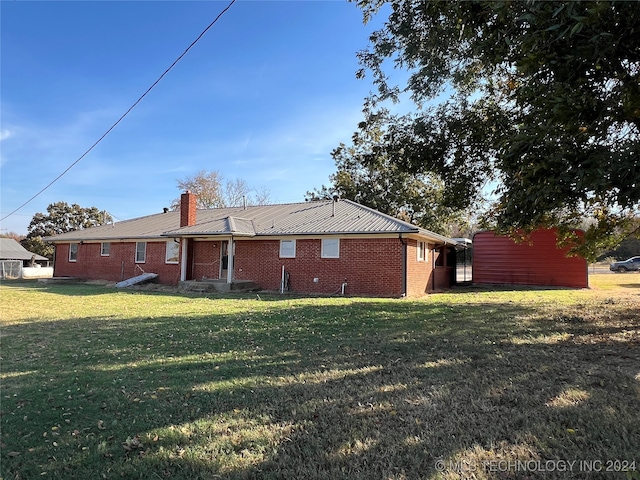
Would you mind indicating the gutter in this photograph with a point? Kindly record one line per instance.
(445, 240)
(54, 239)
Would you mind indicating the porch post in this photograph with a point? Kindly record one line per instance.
(230, 255)
(183, 261)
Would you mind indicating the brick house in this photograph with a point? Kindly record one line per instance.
(322, 247)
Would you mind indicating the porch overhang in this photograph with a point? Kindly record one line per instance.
(223, 227)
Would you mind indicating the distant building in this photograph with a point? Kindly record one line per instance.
(17, 262)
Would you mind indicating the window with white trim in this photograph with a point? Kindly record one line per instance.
(422, 251)
(172, 252)
(287, 249)
(105, 249)
(73, 252)
(330, 248)
(141, 252)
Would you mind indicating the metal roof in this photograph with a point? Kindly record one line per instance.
(343, 217)
(150, 226)
(12, 250)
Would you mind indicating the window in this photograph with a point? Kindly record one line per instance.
(330, 248)
(172, 252)
(105, 249)
(141, 252)
(422, 251)
(73, 252)
(287, 249)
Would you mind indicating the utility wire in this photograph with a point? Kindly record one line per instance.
(125, 113)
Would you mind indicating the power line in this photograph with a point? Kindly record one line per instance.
(124, 114)
(19, 215)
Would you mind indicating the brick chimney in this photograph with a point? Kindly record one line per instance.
(187, 209)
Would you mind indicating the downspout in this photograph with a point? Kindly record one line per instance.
(404, 265)
(282, 280)
(433, 268)
(183, 261)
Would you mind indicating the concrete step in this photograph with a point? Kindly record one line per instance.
(211, 286)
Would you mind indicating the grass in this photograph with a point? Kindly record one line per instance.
(99, 383)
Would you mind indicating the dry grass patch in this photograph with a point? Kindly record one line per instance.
(98, 383)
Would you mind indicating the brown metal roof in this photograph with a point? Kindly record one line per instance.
(343, 217)
(150, 226)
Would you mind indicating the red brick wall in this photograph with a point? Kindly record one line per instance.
(206, 260)
(188, 202)
(419, 274)
(92, 266)
(444, 275)
(369, 266)
(442, 278)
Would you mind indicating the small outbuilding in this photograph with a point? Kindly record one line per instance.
(499, 259)
(18, 262)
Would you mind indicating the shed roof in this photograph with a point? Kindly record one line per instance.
(343, 217)
(12, 250)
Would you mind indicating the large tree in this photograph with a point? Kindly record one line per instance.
(365, 174)
(213, 191)
(60, 218)
(542, 101)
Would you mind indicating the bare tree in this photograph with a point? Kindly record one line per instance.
(262, 196)
(213, 191)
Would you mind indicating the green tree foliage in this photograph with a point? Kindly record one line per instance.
(366, 175)
(542, 100)
(213, 191)
(629, 247)
(60, 218)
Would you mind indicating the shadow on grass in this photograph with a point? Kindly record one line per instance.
(364, 389)
(92, 289)
(500, 287)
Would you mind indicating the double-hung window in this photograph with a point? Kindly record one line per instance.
(105, 249)
(73, 252)
(172, 252)
(287, 249)
(422, 251)
(330, 248)
(141, 252)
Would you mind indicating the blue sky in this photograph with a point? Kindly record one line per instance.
(264, 96)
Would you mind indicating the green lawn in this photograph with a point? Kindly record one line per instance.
(99, 383)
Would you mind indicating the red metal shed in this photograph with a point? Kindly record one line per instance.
(500, 260)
